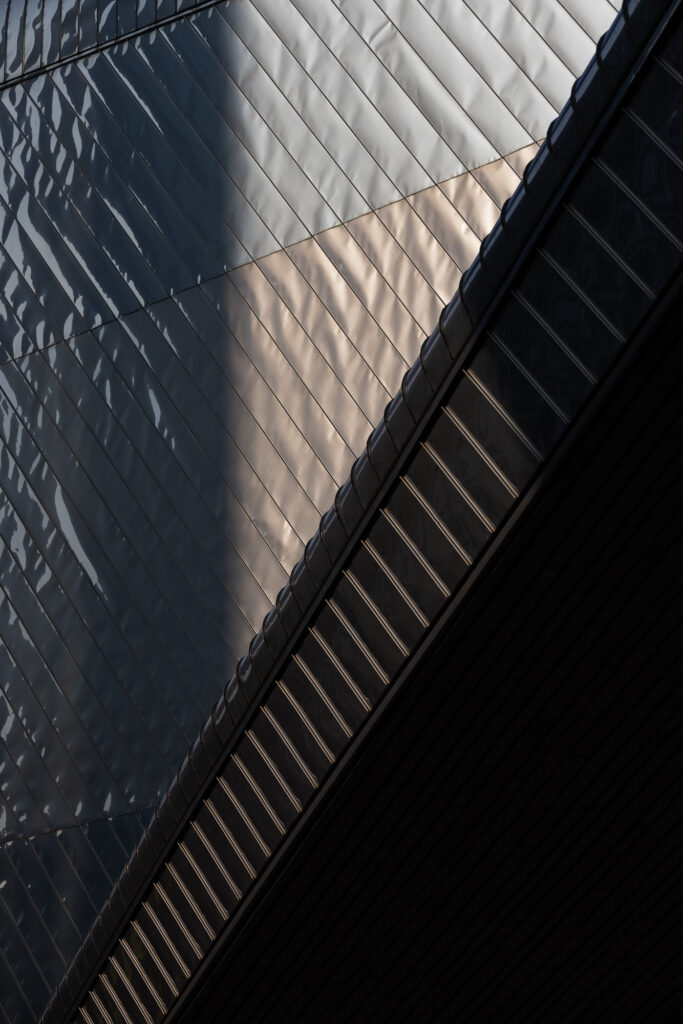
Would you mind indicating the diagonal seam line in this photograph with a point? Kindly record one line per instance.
(437, 520)
(576, 288)
(603, 243)
(481, 451)
(393, 578)
(329, 653)
(659, 142)
(552, 333)
(155, 957)
(536, 385)
(324, 697)
(372, 607)
(637, 201)
(143, 974)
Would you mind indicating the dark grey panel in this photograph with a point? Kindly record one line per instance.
(36, 33)
(117, 590)
(50, 889)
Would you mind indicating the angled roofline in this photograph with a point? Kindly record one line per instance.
(594, 98)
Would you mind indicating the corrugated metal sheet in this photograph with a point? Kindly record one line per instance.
(242, 225)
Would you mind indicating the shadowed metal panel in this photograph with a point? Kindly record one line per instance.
(51, 886)
(37, 33)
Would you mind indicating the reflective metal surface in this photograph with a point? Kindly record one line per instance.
(219, 138)
(38, 33)
(51, 887)
(522, 383)
(221, 245)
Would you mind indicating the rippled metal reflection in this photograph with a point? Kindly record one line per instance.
(221, 243)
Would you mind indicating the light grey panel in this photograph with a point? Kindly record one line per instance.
(486, 52)
(347, 174)
(467, 145)
(555, 24)
(529, 50)
(373, 158)
(466, 93)
(360, 62)
(592, 15)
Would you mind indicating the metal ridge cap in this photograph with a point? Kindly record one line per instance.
(595, 95)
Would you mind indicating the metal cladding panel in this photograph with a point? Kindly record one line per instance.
(133, 173)
(456, 451)
(162, 473)
(52, 886)
(38, 33)
(221, 245)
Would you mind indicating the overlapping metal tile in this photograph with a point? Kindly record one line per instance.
(221, 244)
(438, 479)
(39, 33)
(52, 885)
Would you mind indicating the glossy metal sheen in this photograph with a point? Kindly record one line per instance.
(577, 302)
(161, 475)
(39, 931)
(221, 244)
(38, 33)
(224, 136)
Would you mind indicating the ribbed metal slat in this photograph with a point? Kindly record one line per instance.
(163, 944)
(144, 951)
(140, 982)
(318, 703)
